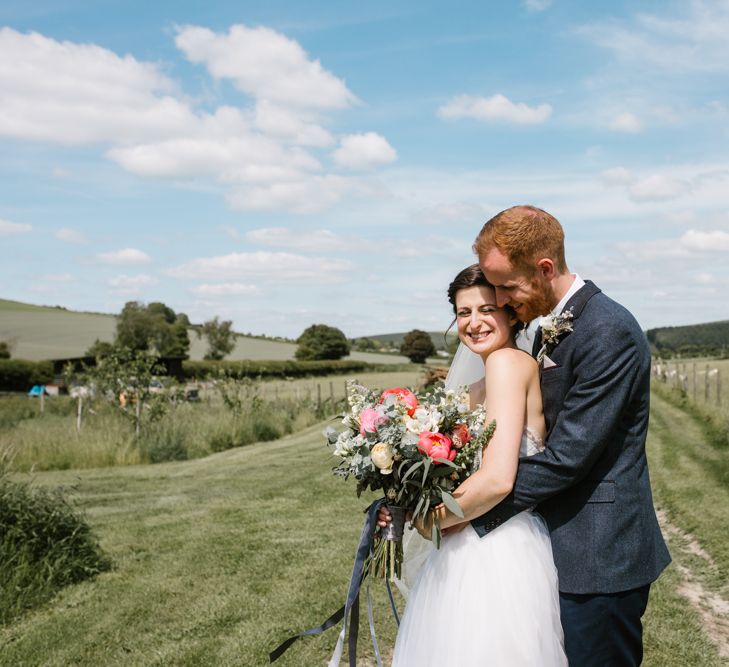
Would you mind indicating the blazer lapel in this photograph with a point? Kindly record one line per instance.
(581, 297)
(576, 303)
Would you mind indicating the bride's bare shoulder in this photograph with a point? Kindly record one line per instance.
(510, 360)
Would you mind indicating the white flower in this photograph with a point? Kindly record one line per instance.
(382, 457)
(424, 420)
(553, 326)
(343, 446)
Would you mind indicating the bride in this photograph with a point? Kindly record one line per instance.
(491, 600)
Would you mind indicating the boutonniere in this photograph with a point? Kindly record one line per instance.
(553, 328)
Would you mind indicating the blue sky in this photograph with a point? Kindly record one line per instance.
(284, 163)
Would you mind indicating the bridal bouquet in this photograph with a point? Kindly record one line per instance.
(416, 448)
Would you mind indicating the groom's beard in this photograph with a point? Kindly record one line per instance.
(541, 300)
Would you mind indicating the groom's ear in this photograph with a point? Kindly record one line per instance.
(546, 268)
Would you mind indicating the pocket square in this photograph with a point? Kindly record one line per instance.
(547, 363)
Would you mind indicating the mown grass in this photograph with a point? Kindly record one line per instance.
(217, 560)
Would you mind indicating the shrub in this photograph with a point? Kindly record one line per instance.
(44, 545)
(274, 369)
(21, 375)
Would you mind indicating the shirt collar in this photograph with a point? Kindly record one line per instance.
(577, 284)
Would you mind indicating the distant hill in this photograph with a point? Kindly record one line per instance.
(52, 332)
(711, 338)
(395, 339)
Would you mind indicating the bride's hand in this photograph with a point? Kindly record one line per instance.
(452, 530)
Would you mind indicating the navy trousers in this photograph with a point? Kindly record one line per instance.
(604, 630)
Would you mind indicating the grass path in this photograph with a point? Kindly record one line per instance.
(219, 559)
(689, 474)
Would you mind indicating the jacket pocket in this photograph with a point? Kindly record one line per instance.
(604, 492)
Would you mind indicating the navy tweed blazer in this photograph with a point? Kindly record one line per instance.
(591, 483)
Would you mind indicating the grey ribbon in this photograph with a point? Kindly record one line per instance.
(350, 611)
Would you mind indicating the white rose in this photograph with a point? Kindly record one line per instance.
(382, 456)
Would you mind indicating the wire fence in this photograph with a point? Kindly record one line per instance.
(699, 380)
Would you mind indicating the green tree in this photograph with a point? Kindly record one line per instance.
(4, 350)
(100, 349)
(129, 373)
(220, 337)
(320, 341)
(153, 327)
(417, 346)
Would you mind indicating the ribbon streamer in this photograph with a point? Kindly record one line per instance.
(350, 611)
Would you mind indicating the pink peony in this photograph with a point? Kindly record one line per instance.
(369, 420)
(461, 435)
(436, 445)
(403, 396)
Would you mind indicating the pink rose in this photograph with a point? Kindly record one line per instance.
(436, 445)
(403, 396)
(369, 420)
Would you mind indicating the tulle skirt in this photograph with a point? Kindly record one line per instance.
(490, 601)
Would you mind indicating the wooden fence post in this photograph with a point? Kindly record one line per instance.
(79, 408)
(694, 387)
(331, 390)
(318, 396)
(43, 399)
(706, 384)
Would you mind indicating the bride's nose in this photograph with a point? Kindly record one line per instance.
(475, 322)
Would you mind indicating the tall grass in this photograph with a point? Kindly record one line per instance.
(183, 431)
(44, 545)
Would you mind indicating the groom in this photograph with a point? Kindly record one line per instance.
(591, 483)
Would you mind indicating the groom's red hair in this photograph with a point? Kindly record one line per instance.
(524, 234)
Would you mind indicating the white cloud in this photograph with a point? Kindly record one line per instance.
(626, 122)
(694, 41)
(8, 228)
(320, 240)
(271, 267)
(125, 256)
(225, 289)
(291, 126)
(495, 108)
(124, 284)
(617, 176)
(537, 5)
(658, 187)
(692, 244)
(704, 278)
(266, 65)
(715, 241)
(81, 93)
(362, 151)
(69, 235)
(307, 194)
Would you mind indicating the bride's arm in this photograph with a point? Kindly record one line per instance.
(507, 377)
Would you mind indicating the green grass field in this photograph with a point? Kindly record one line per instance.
(216, 560)
(41, 332)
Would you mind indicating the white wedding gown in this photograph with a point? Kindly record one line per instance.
(486, 601)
